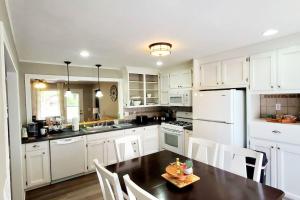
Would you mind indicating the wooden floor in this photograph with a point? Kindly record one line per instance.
(82, 188)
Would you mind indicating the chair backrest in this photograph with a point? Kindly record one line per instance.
(109, 183)
(135, 192)
(235, 158)
(128, 147)
(203, 150)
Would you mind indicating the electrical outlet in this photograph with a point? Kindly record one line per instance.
(278, 106)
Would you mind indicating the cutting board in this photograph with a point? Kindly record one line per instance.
(192, 178)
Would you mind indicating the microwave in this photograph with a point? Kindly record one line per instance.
(180, 98)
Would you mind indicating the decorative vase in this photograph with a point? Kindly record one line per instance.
(188, 171)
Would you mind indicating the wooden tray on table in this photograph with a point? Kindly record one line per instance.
(179, 181)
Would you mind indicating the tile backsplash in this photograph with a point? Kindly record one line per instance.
(154, 111)
(289, 103)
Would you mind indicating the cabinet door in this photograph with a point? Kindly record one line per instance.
(96, 150)
(210, 74)
(175, 80)
(289, 68)
(164, 98)
(111, 153)
(270, 149)
(185, 79)
(37, 168)
(164, 82)
(288, 169)
(235, 72)
(263, 71)
(151, 140)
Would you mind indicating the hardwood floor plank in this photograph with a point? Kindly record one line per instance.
(81, 188)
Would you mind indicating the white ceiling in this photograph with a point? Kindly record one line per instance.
(117, 33)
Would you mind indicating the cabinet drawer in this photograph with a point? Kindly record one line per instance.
(133, 130)
(104, 135)
(289, 133)
(36, 146)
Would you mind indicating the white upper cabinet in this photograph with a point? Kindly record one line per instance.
(263, 71)
(164, 82)
(181, 79)
(235, 72)
(210, 75)
(289, 68)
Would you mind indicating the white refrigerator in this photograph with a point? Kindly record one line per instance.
(220, 115)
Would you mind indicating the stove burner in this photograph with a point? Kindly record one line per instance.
(180, 123)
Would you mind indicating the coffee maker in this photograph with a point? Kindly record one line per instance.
(32, 129)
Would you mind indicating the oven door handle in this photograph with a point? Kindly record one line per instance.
(170, 132)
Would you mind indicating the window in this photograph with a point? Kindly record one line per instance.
(73, 107)
(48, 104)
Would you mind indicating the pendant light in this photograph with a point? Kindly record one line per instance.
(68, 92)
(99, 93)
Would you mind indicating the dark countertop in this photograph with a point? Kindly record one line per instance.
(69, 133)
(190, 128)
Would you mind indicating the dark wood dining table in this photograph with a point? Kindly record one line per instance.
(214, 183)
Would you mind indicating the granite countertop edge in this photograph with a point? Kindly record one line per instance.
(67, 133)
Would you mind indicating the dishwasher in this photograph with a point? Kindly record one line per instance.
(67, 157)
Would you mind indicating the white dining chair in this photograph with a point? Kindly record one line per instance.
(134, 192)
(128, 147)
(203, 150)
(109, 183)
(233, 159)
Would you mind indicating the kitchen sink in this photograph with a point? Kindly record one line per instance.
(124, 125)
(97, 128)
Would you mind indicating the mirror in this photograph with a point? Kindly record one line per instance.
(48, 100)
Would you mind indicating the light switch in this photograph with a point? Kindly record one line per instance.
(278, 106)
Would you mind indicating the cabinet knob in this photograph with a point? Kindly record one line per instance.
(44, 153)
(35, 146)
(247, 79)
(217, 83)
(278, 86)
(272, 86)
(278, 148)
(223, 83)
(272, 147)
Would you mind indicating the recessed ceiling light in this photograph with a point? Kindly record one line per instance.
(84, 53)
(159, 63)
(270, 32)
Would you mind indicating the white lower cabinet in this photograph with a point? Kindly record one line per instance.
(37, 164)
(96, 150)
(283, 167)
(288, 157)
(151, 140)
(101, 146)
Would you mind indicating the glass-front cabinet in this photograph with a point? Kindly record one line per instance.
(152, 94)
(143, 88)
(136, 89)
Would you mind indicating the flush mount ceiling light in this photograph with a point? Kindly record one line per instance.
(160, 49)
(84, 53)
(68, 92)
(99, 93)
(270, 32)
(39, 84)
